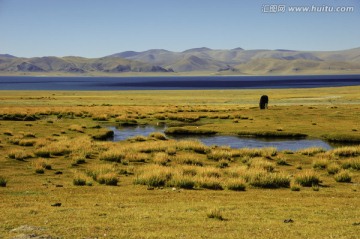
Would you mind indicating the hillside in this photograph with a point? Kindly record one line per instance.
(251, 61)
(298, 66)
(192, 61)
(77, 65)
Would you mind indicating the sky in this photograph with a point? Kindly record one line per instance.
(96, 28)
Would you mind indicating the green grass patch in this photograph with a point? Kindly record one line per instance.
(188, 131)
(342, 138)
(103, 134)
(271, 134)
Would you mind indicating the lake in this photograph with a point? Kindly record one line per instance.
(174, 82)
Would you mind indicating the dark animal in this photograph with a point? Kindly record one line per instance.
(264, 100)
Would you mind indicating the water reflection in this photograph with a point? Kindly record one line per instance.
(221, 140)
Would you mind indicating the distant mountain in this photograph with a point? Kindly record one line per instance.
(203, 59)
(298, 66)
(76, 65)
(260, 61)
(7, 56)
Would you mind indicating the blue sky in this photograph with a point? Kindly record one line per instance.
(96, 28)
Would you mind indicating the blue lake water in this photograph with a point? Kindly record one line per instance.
(223, 140)
(174, 82)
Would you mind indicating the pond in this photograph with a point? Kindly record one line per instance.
(124, 133)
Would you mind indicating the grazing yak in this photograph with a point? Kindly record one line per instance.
(264, 100)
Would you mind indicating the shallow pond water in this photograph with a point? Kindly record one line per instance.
(124, 133)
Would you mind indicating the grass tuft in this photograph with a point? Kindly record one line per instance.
(188, 159)
(353, 163)
(158, 135)
(257, 152)
(79, 182)
(219, 153)
(192, 145)
(236, 184)
(320, 163)
(105, 174)
(311, 151)
(19, 155)
(3, 181)
(215, 214)
(161, 158)
(262, 179)
(259, 163)
(212, 183)
(350, 151)
(333, 168)
(307, 178)
(343, 177)
(103, 134)
(153, 176)
(108, 179)
(181, 181)
(112, 155)
(40, 165)
(282, 162)
(295, 187)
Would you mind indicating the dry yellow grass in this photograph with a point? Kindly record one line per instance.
(130, 210)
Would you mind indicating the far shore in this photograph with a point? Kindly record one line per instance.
(169, 74)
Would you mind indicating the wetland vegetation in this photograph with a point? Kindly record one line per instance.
(59, 175)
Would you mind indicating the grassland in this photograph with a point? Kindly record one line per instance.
(155, 187)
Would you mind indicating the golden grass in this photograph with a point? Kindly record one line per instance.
(257, 152)
(236, 184)
(113, 155)
(320, 163)
(220, 153)
(307, 178)
(188, 159)
(343, 176)
(258, 212)
(333, 168)
(19, 154)
(261, 178)
(350, 151)
(311, 151)
(352, 163)
(260, 163)
(40, 165)
(161, 158)
(154, 176)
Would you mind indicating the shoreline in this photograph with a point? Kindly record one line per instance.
(169, 74)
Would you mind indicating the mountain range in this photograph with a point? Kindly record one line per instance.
(209, 61)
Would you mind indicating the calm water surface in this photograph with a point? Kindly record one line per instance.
(220, 140)
(174, 82)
